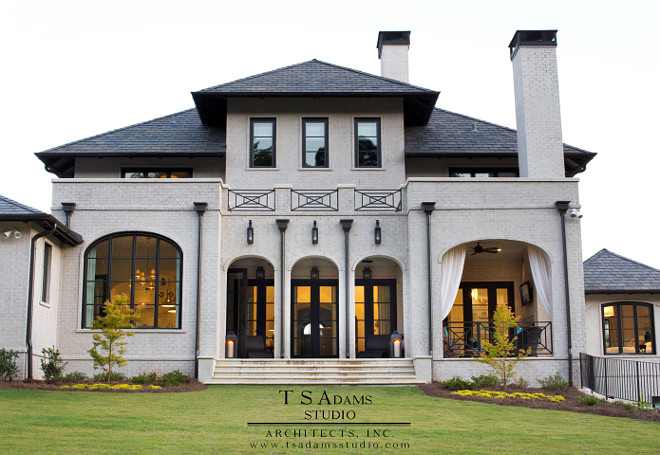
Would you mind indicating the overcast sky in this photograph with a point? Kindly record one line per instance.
(73, 69)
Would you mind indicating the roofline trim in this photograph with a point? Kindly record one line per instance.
(47, 221)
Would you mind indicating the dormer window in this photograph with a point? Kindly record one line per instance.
(367, 142)
(262, 142)
(315, 142)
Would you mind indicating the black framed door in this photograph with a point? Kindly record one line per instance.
(375, 310)
(237, 307)
(314, 318)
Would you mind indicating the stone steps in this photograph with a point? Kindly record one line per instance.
(314, 371)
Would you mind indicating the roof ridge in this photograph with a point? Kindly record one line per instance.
(21, 206)
(256, 75)
(115, 130)
(606, 251)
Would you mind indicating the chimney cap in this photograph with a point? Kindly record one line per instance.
(396, 38)
(532, 38)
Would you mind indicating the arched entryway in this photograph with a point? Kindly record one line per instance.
(251, 307)
(314, 309)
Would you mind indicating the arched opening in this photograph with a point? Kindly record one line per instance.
(251, 308)
(314, 309)
(497, 272)
(377, 311)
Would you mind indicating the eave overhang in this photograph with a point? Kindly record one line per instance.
(47, 222)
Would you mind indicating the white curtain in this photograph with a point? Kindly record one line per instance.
(541, 275)
(450, 280)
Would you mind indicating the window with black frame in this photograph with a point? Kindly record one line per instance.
(262, 142)
(146, 268)
(628, 328)
(315, 142)
(367, 143)
(156, 173)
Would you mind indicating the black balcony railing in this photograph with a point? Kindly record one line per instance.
(317, 200)
(378, 200)
(252, 200)
(631, 380)
(466, 339)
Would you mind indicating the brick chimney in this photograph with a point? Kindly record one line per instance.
(393, 54)
(540, 147)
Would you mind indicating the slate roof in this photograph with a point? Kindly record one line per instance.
(180, 134)
(450, 134)
(11, 210)
(315, 78)
(606, 272)
(9, 207)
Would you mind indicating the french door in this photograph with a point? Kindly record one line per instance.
(314, 331)
(375, 310)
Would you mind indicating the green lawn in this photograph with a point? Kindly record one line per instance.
(216, 421)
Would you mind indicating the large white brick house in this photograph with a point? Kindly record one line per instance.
(296, 224)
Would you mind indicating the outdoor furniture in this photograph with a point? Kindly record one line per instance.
(376, 346)
(256, 348)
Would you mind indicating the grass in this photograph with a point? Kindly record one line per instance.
(215, 421)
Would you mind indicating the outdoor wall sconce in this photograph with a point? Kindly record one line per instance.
(378, 236)
(315, 273)
(396, 345)
(12, 232)
(315, 234)
(261, 273)
(366, 273)
(231, 341)
(250, 233)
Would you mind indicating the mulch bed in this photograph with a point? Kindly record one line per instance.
(572, 403)
(33, 384)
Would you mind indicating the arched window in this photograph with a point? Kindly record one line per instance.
(628, 328)
(144, 267)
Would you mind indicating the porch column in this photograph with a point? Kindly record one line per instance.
(428, 208)
(346, 226)
(282, 225)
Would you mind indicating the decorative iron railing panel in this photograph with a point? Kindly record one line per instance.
(317, 200)
(631, 380)
(378, 200)
(466, 339)
(252, 200)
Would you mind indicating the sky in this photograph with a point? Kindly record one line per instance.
(74, 69)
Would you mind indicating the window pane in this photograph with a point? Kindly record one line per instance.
(144, 316)
(262, 144)
(99, 251)
(122, 247)
(315, 144)
(261, 129)
(168, 250)
(121, 270)
(96, 269)
(367, 128)
(263, 158)
(315, 129)
(145, 247)
(167, 317)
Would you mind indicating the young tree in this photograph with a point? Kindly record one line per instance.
(109, 342)
(502, 355)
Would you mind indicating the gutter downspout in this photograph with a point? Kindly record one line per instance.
(28, 330)
(428, 208)
(346, 226)
(562, 207)
(282, 225)
(200, 208)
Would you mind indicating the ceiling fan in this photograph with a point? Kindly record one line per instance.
(480, 249)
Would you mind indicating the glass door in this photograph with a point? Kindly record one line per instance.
(375, 310)
(314, 318)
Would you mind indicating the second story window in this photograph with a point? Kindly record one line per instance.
(151, 173)
(367, 143)
(315, 142)
(262, 142)
(484, 172)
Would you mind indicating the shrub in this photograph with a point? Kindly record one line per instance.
(52, 365)
(114, 377)
(173, 378)
(8, 368)
(555, 383)
(457, 383)
(75, 376)
(522, 383)
(485, 380)
(590, 400)
(145, 378)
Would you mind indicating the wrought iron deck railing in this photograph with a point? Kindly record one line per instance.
(378, 200)
(253, 200)
(466, 339)
(318, 200)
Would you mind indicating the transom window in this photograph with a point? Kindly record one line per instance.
(315, 142)
(262, 142)
(484, 172)
(367, 143)
(628, 328)
(144, 267)
(151, 173)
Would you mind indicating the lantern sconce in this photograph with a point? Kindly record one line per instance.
(231, 342)
(366, 273)
(378, 236)
(315, 234)
(250, 233)
(396, 345)
(315, 273)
